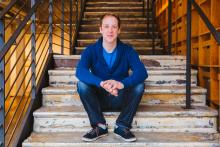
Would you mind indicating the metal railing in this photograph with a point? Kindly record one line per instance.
(211, 28)
(151, 24)
(26, 43)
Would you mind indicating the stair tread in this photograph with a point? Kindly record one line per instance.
(143, 111)
(134, 18)
(151, 71)
(136, 48)
(150, 57)
(160, 139)
(112, 2)
(148, 90)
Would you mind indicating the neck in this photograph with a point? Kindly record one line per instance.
(109, 47)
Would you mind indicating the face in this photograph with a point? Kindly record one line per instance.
(109, 29)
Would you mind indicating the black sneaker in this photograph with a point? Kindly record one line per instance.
(95, 133)
(125, 134)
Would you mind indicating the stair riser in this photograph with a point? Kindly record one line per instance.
(121, 36)
(120, 5)
(147, 124)
(85, 43)
(114, 1)
(152, 80)
(141, 52)
(99, 9)
(147, 99)
(123, 29)
(121, 15)
(123, 22)
(162, 144)
(150, 64)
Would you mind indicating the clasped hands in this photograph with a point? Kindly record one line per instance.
(112, 86)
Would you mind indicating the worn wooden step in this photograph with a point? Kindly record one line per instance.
(122, 35)
(133, 42)
(152, 139)
(123, 20)
(114, 9)
(120, 14)
(156, 77)
(153, 95)
(148, 119)
(114, 4)
(138, 49)
(114, 0)
(151, 61)
(131, 28)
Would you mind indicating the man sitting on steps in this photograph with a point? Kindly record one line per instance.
(105, 83)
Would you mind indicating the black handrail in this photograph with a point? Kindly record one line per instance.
(7, 8)
(18, 31)
(188, 40)
(205, 19)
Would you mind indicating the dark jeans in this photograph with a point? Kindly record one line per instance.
(96, 100)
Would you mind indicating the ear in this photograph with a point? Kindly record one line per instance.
(119, 30)
(100, 29)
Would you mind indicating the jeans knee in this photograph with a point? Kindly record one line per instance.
(82, 87)
(139, 88)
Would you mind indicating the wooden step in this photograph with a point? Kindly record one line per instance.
(153, 95)
(122, 35)
(133, 42)
(151, 61)
(138, 49)
(114, 4)
(147, 119)
(156, 77)
(114, 0)
(114, 9)
(152, 139)
(120, 14)
(124, 28)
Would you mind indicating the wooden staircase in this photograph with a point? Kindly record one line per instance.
(133, 28)
(161, 120)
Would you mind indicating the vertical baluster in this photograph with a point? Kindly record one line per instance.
(2, 87)
(153, 26)
(71, 23)
(50, 26)
(33, 53)
(188, 56)
(62, 31)
(169, 26)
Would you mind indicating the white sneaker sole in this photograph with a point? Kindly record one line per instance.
(90, 140)
(127, 140)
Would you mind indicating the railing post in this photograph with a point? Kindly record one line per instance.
(2, 88)
(50, 26)
(169, 26)
(148, 17)
(62, 31)
(188, 56)
(33, 53)
(70, 26)
(153, 26)
(76, 24)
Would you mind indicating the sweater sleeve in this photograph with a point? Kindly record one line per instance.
(139, 72)
(83, 69)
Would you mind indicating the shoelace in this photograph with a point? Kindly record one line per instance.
(94, 130)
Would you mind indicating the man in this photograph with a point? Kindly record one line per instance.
(105, 83)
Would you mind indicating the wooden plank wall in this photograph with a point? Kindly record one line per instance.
(205, 50)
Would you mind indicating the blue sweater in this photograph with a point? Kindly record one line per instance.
(92, 67)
